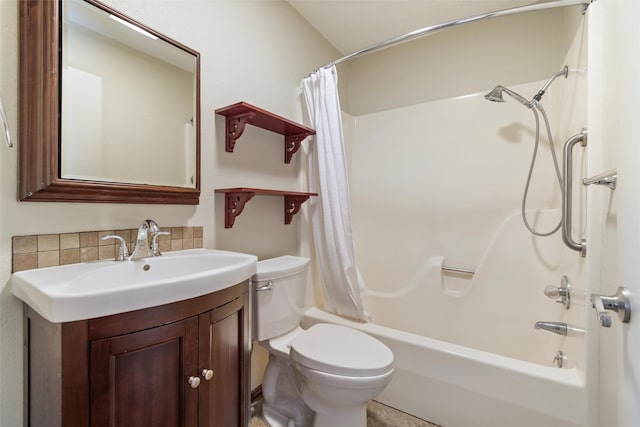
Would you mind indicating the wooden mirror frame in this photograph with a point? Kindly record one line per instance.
(39, 110)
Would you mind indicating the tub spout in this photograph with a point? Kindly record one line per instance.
(559, 328)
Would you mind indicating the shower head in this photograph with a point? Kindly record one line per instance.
(496, 96)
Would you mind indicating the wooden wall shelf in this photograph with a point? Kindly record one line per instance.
(235, 199)
(240, 114)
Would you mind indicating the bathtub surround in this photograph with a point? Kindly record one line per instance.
(460, 189)
(50, 250)
(456, 386)
(342, 283)
(445, 179)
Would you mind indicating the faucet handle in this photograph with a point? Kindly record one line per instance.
(123, 251)
(155, 247)
(561, 294)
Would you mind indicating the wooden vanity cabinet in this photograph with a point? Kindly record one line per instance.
(143, 368)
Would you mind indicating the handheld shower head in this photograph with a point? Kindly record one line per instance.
(496, 96)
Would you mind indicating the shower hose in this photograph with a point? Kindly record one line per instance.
(535, 108)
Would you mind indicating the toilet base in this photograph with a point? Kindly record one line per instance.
(342, 417)
(274, 418)
(282, 405)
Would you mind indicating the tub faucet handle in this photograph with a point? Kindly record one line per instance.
(561, 294)
(619, 303)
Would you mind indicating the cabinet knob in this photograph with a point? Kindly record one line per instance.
(207, 374)
(194, 382)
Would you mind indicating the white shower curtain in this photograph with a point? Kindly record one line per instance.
(331, 212)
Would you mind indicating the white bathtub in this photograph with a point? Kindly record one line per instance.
(452, 385)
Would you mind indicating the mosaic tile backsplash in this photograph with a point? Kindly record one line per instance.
(49, 250)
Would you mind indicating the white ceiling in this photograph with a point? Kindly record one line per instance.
(351, 25)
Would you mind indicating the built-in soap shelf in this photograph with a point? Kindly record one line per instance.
(240, 114)
(236, 198)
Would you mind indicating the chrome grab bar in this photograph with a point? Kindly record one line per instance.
(609, 179)
(567, 193)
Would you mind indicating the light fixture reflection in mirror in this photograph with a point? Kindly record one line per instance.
(127, 102)
(133, 27)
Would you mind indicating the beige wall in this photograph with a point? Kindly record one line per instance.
(253, 51)
(461, 60)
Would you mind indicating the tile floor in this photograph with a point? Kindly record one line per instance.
(378, 415)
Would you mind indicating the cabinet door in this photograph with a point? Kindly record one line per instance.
(224, 349)
(141, 379)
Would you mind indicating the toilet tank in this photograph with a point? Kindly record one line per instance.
(278, 295)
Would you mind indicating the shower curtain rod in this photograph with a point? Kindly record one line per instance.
(439, 27)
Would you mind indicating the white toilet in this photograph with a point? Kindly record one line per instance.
(322, 376)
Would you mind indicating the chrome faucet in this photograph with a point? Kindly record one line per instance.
(141, 248)
(560, 328)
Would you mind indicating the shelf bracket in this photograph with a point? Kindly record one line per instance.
(240, 114)
(292, 205)
(234, 128)
(292, 145)
(234, 205)
(235, 199)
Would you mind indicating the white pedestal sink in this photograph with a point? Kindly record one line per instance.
(101, 288)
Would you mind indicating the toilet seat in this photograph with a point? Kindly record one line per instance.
(339, 350)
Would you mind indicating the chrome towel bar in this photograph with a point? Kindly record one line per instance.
(609, 179)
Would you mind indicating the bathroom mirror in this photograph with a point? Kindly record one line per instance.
(109, 108)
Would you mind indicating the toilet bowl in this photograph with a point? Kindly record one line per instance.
(319, 377)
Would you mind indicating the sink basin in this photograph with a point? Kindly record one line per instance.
(101, 288)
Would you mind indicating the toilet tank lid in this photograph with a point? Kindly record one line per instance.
(281, 266)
